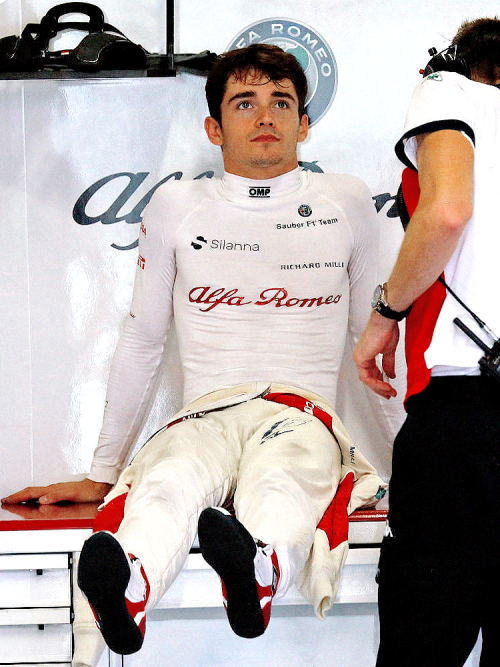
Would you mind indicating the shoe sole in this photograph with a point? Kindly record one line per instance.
(229, 548)
(103, 576)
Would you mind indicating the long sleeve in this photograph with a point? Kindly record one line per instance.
(363, 277)
(135, 365)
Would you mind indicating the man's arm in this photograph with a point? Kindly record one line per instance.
(445, 163)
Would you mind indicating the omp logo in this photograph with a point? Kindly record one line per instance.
(310, 49)
(262, 193)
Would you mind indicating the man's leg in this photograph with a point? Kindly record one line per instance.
(491, 615)
(431, 580)
(288, 475)
(134, 559)
(429, 610)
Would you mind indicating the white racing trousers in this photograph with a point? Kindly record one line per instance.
(281, 465)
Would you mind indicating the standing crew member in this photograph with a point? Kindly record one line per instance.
(439, 576)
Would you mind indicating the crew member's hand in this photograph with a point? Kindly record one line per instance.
(381, 336)
(84, 491)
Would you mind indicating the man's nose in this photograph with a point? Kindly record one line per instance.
(264, 117)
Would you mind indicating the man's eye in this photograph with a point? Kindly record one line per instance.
(244, 105)
(282, 104)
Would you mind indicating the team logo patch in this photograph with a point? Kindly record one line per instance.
(259, 193)
(305, 210)
(310, 49)
(197, 244)
(435, 76)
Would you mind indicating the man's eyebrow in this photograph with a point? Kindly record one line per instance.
(251, 93)
(241, 96)
(281, 94)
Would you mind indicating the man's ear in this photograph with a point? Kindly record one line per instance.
(214, 131)
(304, 127)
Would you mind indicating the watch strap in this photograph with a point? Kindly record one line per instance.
(383, 308)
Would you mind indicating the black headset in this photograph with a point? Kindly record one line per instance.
(446, 61)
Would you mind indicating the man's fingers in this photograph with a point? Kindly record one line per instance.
(83, 491)
(389, 364)
(373, 379)
(30, 493)
(52, 498)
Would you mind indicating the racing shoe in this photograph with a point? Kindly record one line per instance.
(117, 590)
(248, 569)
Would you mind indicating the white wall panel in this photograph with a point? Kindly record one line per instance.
(15, 358)
(10, 17)
(80, 283)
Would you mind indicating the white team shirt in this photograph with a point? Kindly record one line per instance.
(447, 100)
(264, 280)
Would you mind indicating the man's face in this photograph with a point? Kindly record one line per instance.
(260, 127)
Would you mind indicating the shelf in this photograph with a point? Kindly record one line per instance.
(73, 75)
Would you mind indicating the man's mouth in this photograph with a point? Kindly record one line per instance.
(265, 138)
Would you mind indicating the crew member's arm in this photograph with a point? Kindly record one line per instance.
(445, 164)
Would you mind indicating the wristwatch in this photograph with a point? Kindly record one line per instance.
(380, 305)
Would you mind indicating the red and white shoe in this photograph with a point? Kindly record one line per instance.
(249, 570)
(117, 590)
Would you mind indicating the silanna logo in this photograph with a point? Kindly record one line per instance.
(310, 49)
(222, 244)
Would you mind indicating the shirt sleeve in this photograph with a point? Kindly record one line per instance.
(135, 364)
(364, 275)
(439, 102)
(363, 262)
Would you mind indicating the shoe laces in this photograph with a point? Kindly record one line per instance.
(266, 573)
(136, 589)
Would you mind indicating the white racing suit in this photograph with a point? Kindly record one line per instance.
(264, 280)
(281, 465)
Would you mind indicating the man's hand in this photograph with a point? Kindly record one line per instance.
(60, 511)
(381, 336)
(85, 491)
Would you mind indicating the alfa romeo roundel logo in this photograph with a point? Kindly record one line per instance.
(310, 49)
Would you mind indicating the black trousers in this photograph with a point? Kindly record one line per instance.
(439, 571)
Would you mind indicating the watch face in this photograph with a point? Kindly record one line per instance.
(376, 295)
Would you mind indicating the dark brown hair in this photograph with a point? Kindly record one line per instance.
(478, 43)
(260, 59)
